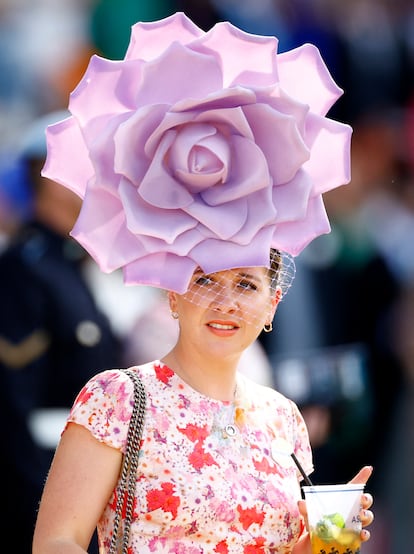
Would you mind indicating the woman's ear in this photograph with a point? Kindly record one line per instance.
(276, 298)
(172, 300)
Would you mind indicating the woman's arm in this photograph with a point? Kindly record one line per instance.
(82, 477)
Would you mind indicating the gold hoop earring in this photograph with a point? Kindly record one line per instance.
(174, 315)
(268, 327)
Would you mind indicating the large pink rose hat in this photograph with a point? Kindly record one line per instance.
(199, 149)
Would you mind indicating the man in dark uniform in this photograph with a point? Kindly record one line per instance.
(52, 339)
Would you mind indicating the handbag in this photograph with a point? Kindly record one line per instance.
(127, 480)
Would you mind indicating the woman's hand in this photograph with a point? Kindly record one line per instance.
(366, 515)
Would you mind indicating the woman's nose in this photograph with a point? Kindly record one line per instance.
(225, 300)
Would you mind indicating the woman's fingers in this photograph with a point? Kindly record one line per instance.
(362, 476)
(366, 500)
(365, 535)
(366, 517)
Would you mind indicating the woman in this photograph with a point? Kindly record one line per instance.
(207, 480)
(197, 155)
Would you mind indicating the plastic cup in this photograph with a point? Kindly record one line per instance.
(333, 516)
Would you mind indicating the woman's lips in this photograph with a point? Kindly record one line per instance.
(223, 326)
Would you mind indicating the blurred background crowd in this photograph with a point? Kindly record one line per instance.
(343, 339)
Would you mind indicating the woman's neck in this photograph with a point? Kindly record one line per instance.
(210, 377)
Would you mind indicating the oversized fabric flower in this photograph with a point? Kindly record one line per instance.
(199, 149)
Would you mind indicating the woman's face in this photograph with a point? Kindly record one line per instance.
(227, 309)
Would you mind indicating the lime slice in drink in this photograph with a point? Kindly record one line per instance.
(337, 520)
(329, 526)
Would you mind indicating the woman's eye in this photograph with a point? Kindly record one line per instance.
(248, 285)
(203, 280)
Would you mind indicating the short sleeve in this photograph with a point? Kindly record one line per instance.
(104, 407)
(302, 448)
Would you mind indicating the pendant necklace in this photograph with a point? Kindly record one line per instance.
(230, 429)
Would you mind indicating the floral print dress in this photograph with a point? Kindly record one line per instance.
(202, 489)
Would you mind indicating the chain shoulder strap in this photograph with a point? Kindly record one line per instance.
(127, 481)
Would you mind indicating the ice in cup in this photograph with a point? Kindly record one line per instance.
(333, 515)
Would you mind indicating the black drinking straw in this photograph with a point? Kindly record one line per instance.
(300, 468)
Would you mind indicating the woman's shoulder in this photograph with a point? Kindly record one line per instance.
(263, 394)
(116, 385)
(118, 376)
(104, 405)
(281, 414)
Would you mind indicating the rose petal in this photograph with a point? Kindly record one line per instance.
(330, 162)
(304, 75)
(187, 241)
(199, 156)
(246, 59)
(163, 270)
(158, 187)
(294, 236)
(261, 212)
(102, 154)
(162, 79)
(101, 230)
(249, 173)
(146, 219)
(150, 39)
(222, 99)
(233, 119)
(195, 180)
(107, 87)
(222, 220)
(279, 140)
(65, 143)
(130, 158)
(228, 255)
(241, 222)
(276, 98)
(300, 188)
(171, 120)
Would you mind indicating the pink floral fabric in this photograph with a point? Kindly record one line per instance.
(199, 491)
